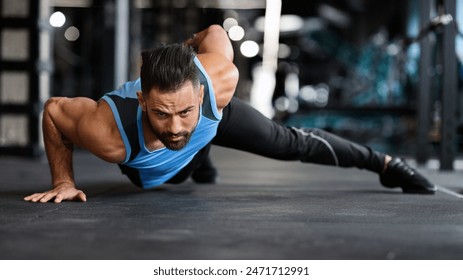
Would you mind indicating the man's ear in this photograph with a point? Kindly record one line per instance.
(141, 100)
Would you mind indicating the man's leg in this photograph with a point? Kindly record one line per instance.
(244, 128)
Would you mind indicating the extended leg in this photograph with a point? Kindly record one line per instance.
(244, 128)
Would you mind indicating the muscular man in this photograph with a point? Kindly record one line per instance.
(159, 128)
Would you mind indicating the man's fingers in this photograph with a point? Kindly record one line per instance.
(38, 197)
(30, 197)
(58, 198)
(42, 197)
(78, 196)
(47, 197)
(82, 196)
(34, 197)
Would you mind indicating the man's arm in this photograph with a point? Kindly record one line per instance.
(216, 55)
(69, 121)
(213, 39)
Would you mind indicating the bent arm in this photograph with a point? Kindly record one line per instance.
(59, 150)
(213, 39)
(67, 122)
(216, 55)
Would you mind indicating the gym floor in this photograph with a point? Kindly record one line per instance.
(260, 209)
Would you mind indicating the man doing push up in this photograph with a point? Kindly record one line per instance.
(159, 128)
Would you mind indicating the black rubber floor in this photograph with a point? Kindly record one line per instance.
(260, 209)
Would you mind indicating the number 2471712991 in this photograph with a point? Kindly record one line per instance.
(275, 270)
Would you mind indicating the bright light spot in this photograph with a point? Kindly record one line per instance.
(282, 104)
(285, 104)
(292, 85)
(229, 23)
(259, 24)
(236, 33)
(249, 48)
(288, 23)
(393, 49)
(293, 106)
(308, 93)
(284, 51)
(318, 96)
(334, 15)
(72, 33)
(57, 19)
(291, 23)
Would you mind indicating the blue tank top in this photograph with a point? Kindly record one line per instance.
(158, 166)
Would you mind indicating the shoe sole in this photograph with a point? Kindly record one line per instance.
(420, 191)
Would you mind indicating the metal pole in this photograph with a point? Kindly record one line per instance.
(264, 77)
(45, 65)
(449, 94)
(121, 55)
(424, 92)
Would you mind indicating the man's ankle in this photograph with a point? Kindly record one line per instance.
(387, 159)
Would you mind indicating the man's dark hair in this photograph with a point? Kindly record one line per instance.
(168, 68)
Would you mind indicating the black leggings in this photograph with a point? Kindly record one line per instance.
(244, 128)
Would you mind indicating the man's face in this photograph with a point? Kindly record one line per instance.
(173, 116)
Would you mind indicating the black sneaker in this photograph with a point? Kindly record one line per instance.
(399, 174)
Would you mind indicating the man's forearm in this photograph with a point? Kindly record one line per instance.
(59, 151)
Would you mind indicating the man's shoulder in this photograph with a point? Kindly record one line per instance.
(127, 90)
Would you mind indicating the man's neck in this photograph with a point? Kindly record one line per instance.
(152, 143)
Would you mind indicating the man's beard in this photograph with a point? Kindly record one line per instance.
(164, 137)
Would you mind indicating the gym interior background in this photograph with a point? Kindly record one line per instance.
(387, 74)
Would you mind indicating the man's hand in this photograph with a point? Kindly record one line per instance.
(64, 191)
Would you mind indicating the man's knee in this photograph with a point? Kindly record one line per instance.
(315, 146)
